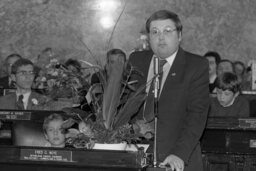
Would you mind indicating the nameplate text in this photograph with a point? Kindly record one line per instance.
(46, 155)
(15, 115)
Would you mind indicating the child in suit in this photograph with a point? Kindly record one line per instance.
(54, 134)
(229, 102)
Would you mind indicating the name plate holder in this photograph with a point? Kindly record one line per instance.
(46, 155)
(15, 115)
(247, 123)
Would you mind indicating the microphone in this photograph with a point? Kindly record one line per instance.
(156, 75)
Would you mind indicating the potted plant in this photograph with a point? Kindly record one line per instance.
(114, 101)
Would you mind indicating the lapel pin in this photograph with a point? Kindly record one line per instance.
(174, 74)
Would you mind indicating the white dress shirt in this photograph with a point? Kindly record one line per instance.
(25, 98)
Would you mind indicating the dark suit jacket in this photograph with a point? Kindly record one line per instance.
(9, 102)
(4, 82)
(183, 106)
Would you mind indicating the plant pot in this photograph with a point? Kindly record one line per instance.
(119, 146)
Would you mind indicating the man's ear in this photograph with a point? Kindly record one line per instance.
(180, 36)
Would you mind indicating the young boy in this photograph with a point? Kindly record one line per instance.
(229, 102)
(53, 132)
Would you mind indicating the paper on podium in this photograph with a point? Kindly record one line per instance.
(132, 147)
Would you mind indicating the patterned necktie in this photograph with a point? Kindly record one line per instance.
(20, 104)
(149, 107)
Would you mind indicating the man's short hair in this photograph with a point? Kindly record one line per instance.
(14, 55)
(216, 56)
(52, 117)
(228, 81)
(73, 63)
(116, 52)
(19, 63)
(163, 15)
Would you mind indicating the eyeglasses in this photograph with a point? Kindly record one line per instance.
(23, 73)
(166, 32)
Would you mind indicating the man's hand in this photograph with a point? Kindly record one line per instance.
(174, 162)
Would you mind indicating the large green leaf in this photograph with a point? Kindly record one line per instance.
(111, 96)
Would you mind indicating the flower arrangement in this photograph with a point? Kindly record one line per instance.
(57, 81)
(114, 102)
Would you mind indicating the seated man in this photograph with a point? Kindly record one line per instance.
(6, 82)
(213, 59)
(112, 56)
(229, 102)
(22, 73)
(53, 132)
(225, 65)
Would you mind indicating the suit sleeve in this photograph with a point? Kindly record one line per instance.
(196, 113)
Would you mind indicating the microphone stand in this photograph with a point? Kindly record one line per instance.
(156, 98)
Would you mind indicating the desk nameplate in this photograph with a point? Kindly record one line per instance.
(15, 115)
(247, 122)
(46, 155)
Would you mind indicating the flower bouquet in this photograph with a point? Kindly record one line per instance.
(114, 102)
(58, 82)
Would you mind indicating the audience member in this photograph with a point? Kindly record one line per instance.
(229, 102)
(213, 59)
(225, 65)
(73, 65)
(239, 68)
(6, 82)
(240, 71)
(44, 57)
(22, 73)
(53, 131)
(112, 55)
(79, 81)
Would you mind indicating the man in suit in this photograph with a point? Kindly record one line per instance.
(184, 93)
(112, 56)
(6, 82)
(22, 72)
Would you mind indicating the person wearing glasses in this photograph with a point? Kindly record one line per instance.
(22, 73)
(6, 82)
(184, 93)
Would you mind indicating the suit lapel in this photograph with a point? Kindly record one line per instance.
(30, 105)
(177, 71)
(13, 100)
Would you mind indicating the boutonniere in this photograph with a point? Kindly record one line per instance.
(34, 101)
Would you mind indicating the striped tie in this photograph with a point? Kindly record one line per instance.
(20, 104)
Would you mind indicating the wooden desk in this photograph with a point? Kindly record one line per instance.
(59, 159)
(229, 144)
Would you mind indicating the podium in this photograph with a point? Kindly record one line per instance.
(19, 155)
(55, 159)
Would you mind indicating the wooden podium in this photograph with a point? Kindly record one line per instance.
(55, 159)
(19, 155)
